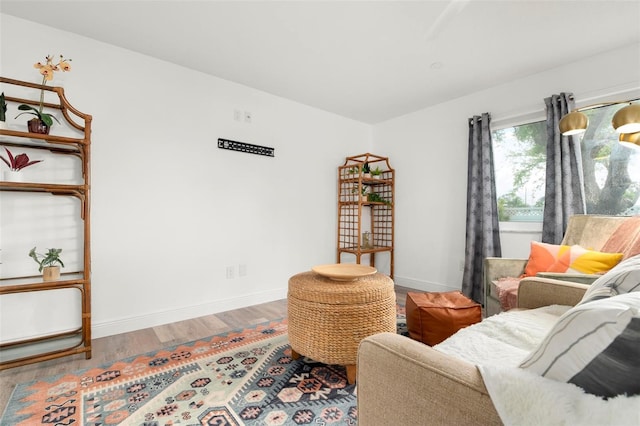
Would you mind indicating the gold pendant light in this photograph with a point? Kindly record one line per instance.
(627, 119)
(630, 139)
(573, 123)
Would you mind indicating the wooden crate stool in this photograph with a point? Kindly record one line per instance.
(433, 317)
(328, 319)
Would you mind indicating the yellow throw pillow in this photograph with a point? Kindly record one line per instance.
(582, 261)
(542, 257)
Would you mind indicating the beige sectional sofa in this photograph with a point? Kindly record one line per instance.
(404, 382)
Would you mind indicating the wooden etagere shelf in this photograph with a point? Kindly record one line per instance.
(366, 208)
(75, 341)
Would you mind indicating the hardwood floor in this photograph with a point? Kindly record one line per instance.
(111, 348)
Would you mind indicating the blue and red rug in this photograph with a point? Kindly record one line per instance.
(246, 377)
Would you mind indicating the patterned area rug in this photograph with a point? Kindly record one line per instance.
(244, 377)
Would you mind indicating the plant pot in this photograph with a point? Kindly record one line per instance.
(13, 176)
(35, 125)
(51, 273)
(3, 125)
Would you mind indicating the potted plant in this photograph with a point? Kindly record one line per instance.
(3, 112)
(16, 163)
(376, 173)
(362, 190)
(366, 170)
(50, 271)
(374, 197)
(43, 120)
(363, 193)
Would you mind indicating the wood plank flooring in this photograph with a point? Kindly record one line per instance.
(111, 348)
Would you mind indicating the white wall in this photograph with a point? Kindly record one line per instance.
(428, 149)
(171, 211)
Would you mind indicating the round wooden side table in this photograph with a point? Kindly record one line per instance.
(328, 318)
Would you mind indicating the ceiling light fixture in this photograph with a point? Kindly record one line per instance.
(630, 139)
(625, 121)
(573, 123)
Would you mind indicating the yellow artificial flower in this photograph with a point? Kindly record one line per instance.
(64, 65)
(46, 70)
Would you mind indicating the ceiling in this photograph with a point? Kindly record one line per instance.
(370, 61)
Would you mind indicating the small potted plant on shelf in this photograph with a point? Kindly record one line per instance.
(50, 271)
(376, 173)
(374, 197)
(361, 190)
(16, 163)
(366, 170)
(3, 112)
(43, 120)
(363, 193)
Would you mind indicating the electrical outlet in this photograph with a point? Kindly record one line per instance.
(230, 273)
(237, 115)
(242, 270)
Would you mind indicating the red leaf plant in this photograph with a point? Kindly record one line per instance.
(18, 162)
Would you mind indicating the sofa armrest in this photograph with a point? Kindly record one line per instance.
(499, 267)
(404, 382)
(535, 292)
(563, 276)
(495, 268)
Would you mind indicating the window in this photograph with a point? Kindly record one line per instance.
(611, 169)
(519, 159)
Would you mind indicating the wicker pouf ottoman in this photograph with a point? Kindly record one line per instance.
(328, 319)
(432, 317)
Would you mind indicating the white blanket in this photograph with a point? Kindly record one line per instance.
(498, 344)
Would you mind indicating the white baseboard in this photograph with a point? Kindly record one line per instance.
(124, 325)
(423, 285)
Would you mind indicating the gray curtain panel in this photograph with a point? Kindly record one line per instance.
(564, 187)
(483, 236)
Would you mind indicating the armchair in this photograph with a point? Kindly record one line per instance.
(592, 232)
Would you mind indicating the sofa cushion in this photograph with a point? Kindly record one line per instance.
(594, 345)
(545, 257)
(582, 261)
(542, 256)
(623, 278)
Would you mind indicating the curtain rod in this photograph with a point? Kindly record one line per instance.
(479, 117)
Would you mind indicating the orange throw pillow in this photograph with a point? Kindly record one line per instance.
(542, 257)
(582, 261)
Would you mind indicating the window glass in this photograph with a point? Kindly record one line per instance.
(519, 160)
(611, 169)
